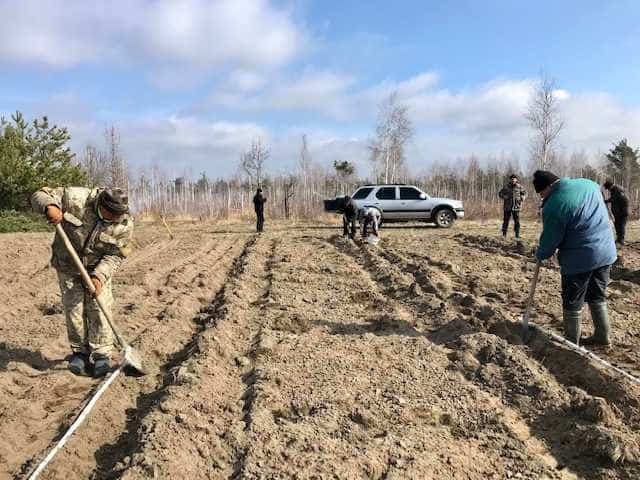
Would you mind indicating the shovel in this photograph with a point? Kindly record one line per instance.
(130, 356)
(532, 290)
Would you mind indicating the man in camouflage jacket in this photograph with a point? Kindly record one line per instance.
(99, 226)
(512, 195)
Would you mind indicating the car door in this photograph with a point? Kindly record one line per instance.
(414, 204)
(386, 198)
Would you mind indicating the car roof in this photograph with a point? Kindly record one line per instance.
(387, 185)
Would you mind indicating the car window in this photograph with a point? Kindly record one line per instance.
(362, 193)
(408, 193)
(386, 193)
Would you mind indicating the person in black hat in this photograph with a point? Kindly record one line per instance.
(619, 208)
(98, 223)
(512, 195)
(349, 217)
(575, 222)
(258, 204)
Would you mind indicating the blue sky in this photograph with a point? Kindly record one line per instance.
(190, 83)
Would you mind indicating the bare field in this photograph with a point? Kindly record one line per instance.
(299, 354)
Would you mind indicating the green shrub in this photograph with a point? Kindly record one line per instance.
(13, 221)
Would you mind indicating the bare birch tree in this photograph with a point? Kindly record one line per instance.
(94, 163)
(544, 117)
(117, 169)
(393, 131)
(305, 163)
(253, 162)
(289, 190)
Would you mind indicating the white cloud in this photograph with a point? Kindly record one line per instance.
(199, 33)
(317, 92)
(484, 120)
(188, 144)
(245, 80)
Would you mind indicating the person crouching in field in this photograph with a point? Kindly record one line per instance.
(619, 207)
(513, 195)
(370, 218)
(98, 225)
(576, 223)
(349, 217)
(258, 204)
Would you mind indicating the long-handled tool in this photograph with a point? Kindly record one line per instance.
(129, 355)
(527, 310)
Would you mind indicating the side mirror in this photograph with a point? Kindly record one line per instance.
(423, 196)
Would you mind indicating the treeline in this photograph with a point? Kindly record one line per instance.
(33, 154)
(474, 180)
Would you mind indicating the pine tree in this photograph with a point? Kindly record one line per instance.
(623, 164)
(31, 156)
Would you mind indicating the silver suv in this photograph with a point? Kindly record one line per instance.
(405, 203)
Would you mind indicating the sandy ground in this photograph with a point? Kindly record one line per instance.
(299, 354)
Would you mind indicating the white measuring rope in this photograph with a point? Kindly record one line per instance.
(83, 415)
(586, 353)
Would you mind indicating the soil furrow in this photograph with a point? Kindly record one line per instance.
(124, 392)
(347, 415)
(575, 381)
(219, 370)
(300, 354)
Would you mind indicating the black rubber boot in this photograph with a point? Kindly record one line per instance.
(572, 325)
(78, 363)
(101, 365)
(600, 317)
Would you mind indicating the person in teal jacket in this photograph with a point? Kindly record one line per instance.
(576, 223)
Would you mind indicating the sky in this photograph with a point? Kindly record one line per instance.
(190, 83)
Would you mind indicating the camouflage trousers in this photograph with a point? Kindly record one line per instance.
(87, 327)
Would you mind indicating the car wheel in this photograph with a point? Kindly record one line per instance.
(445, 218)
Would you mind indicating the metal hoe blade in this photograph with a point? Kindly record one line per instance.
(132, 359)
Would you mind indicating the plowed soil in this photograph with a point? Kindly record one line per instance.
(300, 354)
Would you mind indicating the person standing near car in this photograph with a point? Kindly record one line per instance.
(258, 204)
(619, 207)
(575, 222)
(349, 217)
(513, 195)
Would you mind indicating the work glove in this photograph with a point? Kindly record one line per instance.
(97, 284)
(54, 214)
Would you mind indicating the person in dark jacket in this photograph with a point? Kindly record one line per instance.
(619, 207)
(512, 195)
(576, 223)
(349, 216)
(258, 204)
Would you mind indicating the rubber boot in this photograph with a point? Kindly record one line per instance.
(78, 363)
(101, 365)
(600, 317)
(572, 325)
